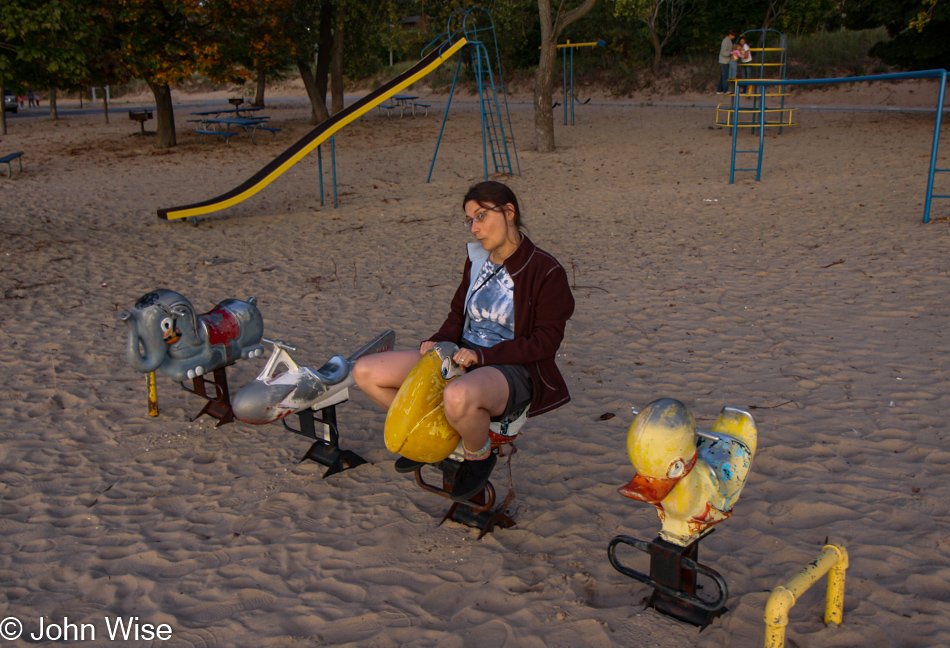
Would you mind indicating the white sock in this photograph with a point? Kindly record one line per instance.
(478, 455)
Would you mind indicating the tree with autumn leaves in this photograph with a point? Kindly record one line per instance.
(70, 43)
(166, 41)
(41, 44)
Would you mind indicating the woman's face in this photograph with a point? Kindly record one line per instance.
(489, 225)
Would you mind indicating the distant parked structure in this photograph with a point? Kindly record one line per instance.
(414, 22)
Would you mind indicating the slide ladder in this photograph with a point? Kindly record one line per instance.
(498, 142)
(493, 128)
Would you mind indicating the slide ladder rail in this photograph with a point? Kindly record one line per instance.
(477, 28)
(493, 128)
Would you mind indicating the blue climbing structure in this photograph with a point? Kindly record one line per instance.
(498, 142)
(764, 86)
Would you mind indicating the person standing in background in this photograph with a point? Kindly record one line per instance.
(725, 56)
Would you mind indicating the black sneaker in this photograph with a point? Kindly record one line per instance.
(471, 478)
(404, 465)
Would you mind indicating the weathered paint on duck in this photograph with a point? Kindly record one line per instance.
(692, 477)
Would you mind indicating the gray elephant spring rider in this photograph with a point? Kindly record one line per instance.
(284, 388)
(168, 336)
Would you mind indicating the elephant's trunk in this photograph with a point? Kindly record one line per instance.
(154, 352)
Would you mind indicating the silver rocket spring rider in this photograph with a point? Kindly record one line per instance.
(284, 388)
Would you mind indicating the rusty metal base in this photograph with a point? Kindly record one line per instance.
(479, 512)
(326, 448)
(218, 406)
(673, 572)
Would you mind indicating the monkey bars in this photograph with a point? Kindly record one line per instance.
(762, 85)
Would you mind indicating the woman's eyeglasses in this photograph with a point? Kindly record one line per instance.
(480, 215)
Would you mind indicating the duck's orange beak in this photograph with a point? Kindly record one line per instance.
(655, 489)
(648, 489)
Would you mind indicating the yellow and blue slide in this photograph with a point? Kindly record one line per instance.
(315, 137)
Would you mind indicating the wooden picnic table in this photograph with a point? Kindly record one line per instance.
(403, 102)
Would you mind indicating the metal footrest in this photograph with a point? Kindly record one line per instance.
(325, 449)
(218, 406)
(673, 571)
(479, 512)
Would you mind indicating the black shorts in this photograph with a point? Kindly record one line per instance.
(520, 386)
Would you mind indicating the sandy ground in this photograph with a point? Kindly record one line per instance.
(815, 299)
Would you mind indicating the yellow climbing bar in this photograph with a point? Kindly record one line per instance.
(773, 116)
(570, 44)
(832, 560)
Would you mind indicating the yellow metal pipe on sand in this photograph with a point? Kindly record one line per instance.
(832, 560)
(152, 394)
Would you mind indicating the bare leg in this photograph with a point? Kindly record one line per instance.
(381, 374)
(470, 402)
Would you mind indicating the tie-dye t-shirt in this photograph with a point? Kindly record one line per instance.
(491, 307)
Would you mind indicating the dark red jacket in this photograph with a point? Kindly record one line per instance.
(543, 304)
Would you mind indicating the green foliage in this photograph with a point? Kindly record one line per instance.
(69, 43)
(833, 54)
(367, 33)
(43, 41)
(916, 44)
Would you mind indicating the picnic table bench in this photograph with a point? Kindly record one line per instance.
(257, 127)
(8, 160)
(141, 115)
(249, 124)
(227, 135)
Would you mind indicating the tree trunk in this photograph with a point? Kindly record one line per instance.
(544, 82)
(324, 52)
(544, 77)
(543, 96)
(261, 82)
(165, 115)
(105, 104)
(657, 51)
(336, 65)
(318, 104)
(53, 111)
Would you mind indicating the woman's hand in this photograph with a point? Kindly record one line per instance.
(465, 358)
(425, 347)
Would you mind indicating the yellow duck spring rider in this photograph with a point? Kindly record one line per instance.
(416, 427)
(692, 477)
